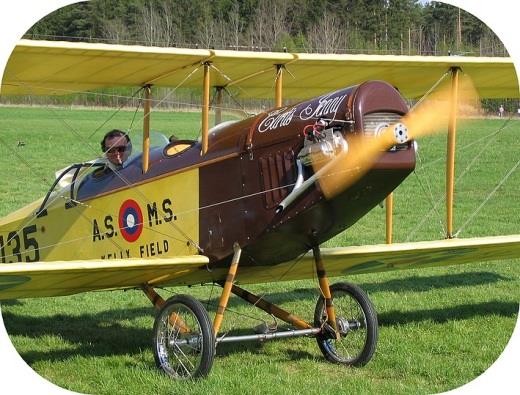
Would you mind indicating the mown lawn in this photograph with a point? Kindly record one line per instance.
(439, 328)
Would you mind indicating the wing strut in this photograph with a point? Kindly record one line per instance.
(146, 127)
(389, 217)
(450, 164)
(450, 158)
(205, 107)
(279, 86)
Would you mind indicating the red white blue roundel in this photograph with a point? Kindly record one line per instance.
(130, 220)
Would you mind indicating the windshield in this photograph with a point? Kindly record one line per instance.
(157, 139)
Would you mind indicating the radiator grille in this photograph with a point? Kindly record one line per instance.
(373, 120)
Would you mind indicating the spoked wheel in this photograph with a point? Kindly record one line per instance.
(184, 344)
(356, 321)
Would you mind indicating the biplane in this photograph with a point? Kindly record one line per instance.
(250, 201)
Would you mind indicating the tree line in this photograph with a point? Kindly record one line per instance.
(325, 26)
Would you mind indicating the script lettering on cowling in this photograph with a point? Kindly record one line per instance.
(325, 105)
(276, 119)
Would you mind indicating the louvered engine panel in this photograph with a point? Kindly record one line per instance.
(277, 172)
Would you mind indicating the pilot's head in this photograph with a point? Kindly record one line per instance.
(117, 146)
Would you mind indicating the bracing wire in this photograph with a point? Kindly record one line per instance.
(490, 138)
(488, 197)
(114, 113)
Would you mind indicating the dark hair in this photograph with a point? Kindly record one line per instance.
(113, 133)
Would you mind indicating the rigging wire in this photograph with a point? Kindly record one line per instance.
(487, 137)
(266, 191)
(435, 85)
(436, 203)
(68, 126)
(234, 99)
(490, 195)
(114, 113)
(247, 196)
(432, 201)
(61, 195)
(158, 101)
(136, 188)
(135, 114)
(490, 139)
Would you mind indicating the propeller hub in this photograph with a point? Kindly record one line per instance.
(400, 133)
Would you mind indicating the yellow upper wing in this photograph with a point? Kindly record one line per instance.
(48, 67)
(33, 280)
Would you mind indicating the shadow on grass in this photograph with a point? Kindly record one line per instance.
(13, 302)
(442, 315)
(99, 335)
(88, 335)
(424, 284)
(91, 335)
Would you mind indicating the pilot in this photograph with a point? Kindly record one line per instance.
(117, 147)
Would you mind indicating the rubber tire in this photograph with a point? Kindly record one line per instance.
(370, 343)
(206, 330)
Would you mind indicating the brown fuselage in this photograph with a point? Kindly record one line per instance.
(264, 173)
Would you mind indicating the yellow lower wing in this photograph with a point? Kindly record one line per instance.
(33, 280)
(367, 259)
(346, 261)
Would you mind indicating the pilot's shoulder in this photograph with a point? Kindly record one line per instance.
(101, 172)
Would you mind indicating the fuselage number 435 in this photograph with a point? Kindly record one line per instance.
(20, 246)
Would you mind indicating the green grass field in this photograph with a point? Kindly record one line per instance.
(439, 328)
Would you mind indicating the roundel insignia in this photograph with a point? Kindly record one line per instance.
(130, 220)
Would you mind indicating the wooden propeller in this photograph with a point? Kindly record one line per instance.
(429, 116)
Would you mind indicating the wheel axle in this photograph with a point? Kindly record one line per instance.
(269, 336)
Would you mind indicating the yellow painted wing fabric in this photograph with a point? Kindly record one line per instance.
(347, 261)
(58, 68)
(29, 280)
(39, 279)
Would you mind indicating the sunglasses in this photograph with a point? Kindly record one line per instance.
(113, 150)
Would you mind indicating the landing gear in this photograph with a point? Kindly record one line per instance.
(184, 344)
(356, 323)
(345, 325)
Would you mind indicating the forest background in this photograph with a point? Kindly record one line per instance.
(399, 27)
